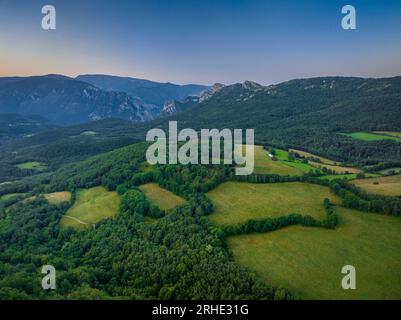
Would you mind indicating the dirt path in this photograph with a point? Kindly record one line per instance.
(77, 220)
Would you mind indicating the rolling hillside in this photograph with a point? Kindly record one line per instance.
(308, 113)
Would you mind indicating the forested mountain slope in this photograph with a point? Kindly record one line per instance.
(64, 100)
(308, 113)
(150, 92)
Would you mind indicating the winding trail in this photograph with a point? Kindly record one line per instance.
(77, 220)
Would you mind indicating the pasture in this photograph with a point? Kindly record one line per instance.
(389, 133)
(164, 199)
(335, 168)
(311, 155)
(237, 202)
(308, 261)
(351, 176)
(394, 170)
(386, 186)
(10, 196)
(265, 165)
(58, 197)
(91, 206)
(371, 136)
(33, 165)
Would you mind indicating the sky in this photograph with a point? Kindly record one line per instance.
(201, 41)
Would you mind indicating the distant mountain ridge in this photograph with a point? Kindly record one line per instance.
(65, 101)
(304, 113)
(173, 106)
(149, 92)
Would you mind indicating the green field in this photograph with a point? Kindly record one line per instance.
(33, 165)
(91, 206)
(351, 176)
(10, 196)
(283, 157)
(389, 133)
(387, 186)
(160, 197)
(395, 170)
(265, 165)
(311, 155)
(370, 136)
(237, 202)
(58, 197)
(308, 261)
(334, 168)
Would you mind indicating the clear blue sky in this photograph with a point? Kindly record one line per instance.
(202, 41)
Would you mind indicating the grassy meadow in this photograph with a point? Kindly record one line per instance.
(33, 165)
(161, 197)
(265, 165)
(387, 186)
(371, 136)
(237, 202)
(58, 197)
(389, 133)
(308, 261)
(311, 155)
(335, 168)
(351, 176)
(10, 196)
(91, 206)
(395, 170)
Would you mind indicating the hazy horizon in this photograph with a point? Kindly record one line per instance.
(192, 83)
(204, 42)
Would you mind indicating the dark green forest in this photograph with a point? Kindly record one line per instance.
(179, 257)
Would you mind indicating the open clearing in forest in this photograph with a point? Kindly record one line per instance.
(326, 163)
(33, 165)
(311, 155)
(389, 133)
(337, 169)
(164, 199)
(371, 136)
(91, 206)
(351, 176)
(308, 261)
(386, 186)
(10, 196)
(237, 202)
(58, 197)
(394, 170)
(282, 166)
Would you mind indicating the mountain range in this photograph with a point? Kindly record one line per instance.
(149, 92)
(64, 100)
(309, 114)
